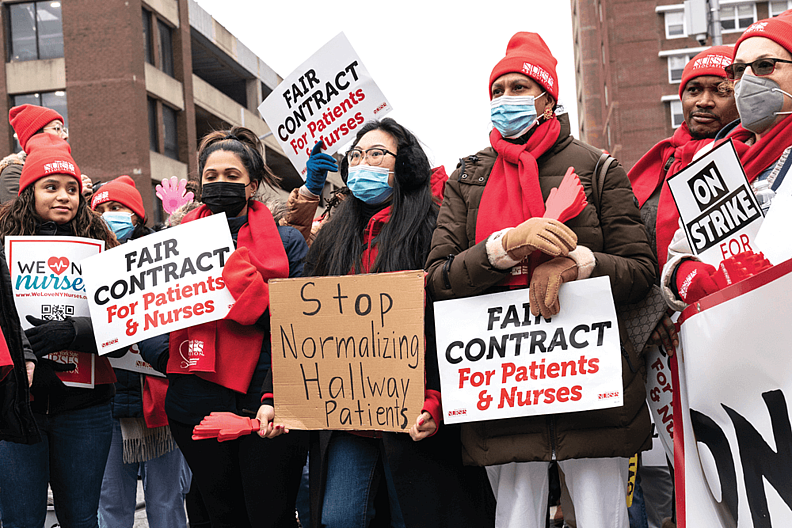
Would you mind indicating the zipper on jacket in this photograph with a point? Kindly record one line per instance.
(446, 267)
(627, 357)
(551, 422)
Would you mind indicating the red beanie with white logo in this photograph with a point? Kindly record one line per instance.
(528, 54)
(48, 155)
(711, 61)
(28, 119)
(778, 29)
(123, 191)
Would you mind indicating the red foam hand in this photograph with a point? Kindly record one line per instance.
(567, 200)
(246, 286)
(695, 281)
(224, 426)
(739, 267)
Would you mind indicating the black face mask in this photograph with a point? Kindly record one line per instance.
(225, 197)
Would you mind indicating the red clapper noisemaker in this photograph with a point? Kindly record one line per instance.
(567, 200)
(224, 426)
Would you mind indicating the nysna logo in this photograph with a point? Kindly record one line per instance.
(58, 264)
(191, 352)
(759, 26)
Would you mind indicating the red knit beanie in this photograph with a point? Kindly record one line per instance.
(123, 191)
(28, 119)
(48, 154)
(528, 54)
(709, 62)
(778, 29)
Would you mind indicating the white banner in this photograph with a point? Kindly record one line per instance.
(162, 282)
(498, 361)
(660, 396)
(719, 212)
(134, 362)
(326, 98)
(734, 375)
(47, 279)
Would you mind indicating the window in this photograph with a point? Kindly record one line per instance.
(776, 8)
(36, 31)
(169, 132)
(54, 100)
(737, 18)
(676, 64)
(149, 53)
(606, 95)
(676, 114)
(152, 122)
(158, 213)
(675, 24)
(165, 48)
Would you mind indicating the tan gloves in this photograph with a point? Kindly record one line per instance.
(547, 235)
(547, 278)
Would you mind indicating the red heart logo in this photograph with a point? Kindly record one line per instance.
(58, 264)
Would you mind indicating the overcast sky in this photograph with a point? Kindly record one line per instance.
(431, 59)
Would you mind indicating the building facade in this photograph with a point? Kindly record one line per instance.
(138, 82)
(629, 57)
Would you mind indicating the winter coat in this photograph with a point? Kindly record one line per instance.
(458, 267)
(17, 423)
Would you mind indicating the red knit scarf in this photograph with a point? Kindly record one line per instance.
(762, 154)
(648, 174)
(512, 194)
(231, 350)
(6, 363)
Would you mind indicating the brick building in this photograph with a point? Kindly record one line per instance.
(139, 83)
(629, 56)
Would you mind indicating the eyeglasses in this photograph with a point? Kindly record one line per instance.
(58, 129)
(760, 67)
(374, 155)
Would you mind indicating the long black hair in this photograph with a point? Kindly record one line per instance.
(404, 241)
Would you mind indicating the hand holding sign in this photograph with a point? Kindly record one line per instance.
(318, 166)
(546, 279)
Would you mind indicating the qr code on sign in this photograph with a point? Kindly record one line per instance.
(56, 312)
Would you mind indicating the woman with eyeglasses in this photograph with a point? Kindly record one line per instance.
(386, 225)
(492, 236)
(762, 73)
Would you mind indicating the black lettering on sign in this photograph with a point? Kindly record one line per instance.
(722, 220)
(707, 186)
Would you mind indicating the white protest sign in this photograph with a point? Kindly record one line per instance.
(47, 280)
(735, 376)
(660, 396)
(159, 283)
(718, 209)
(134, 362)
(496, 360)
(326, 98)
(774, 238)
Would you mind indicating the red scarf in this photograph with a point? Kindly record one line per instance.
(512, 194)
(6, 363)
(230, 351)
(762, 154)
(649, 173)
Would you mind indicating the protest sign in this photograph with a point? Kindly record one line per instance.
(719, 212)
(159, 283)
(499, 361)
(348, 352)
(660, 396)
(47, 280)
(326, 98)
(133, 362)
(733, 440)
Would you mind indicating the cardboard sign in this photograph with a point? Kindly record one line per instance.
(326, 98)
(134, 362)
(719, 212)
(348, 352)
(159, 283)
(48, 283)
(733, 436)
(499, 361)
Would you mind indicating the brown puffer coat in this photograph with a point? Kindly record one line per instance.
(458, 267)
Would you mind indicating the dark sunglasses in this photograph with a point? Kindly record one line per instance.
(760, 67)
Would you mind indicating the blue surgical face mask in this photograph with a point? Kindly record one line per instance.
(369, 184)
(513, 115)
(120, 223)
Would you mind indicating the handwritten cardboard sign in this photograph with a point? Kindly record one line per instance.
(159, 283)
(48, 283)
(326, 98)
(348, 352)
(719, 212)
(498, 361)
